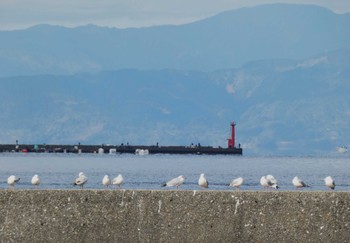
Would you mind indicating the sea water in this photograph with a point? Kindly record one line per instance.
(58, 171)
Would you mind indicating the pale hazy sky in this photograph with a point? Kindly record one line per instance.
(19, 14)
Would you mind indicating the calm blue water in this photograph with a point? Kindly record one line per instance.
(58, 171)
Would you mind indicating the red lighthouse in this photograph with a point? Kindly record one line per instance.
(231, 141)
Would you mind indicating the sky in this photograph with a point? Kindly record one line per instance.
(21, 14)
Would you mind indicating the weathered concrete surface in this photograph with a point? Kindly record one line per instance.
(173, 216)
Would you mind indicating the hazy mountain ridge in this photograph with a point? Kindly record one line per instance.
(282, 72)
(224, 41)
(280, 106)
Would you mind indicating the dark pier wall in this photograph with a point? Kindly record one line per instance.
(153, 149)
(173, 216)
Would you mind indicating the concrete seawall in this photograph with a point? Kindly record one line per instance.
(173, 216)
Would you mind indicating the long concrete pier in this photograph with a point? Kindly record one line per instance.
(173, 216)
(131, 149)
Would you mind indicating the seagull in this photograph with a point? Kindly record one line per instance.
(264, 182)
(237, 182)
(329, 182)
(269, 181)
(35, 180)
(298, 183)
(118, 181)
(202, 182)
(272, 181)
(175, 182)
(12, 180)
(81, 180)
(106, 181)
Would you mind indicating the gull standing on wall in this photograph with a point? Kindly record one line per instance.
(202, 181)
(178, 181)
(329, 182)
(12, 180)
(35, 180)
(298, 183)
(118, 181)
(237, 182)
(272, 181)
(269, 181)
(80, 180)
(106, 181)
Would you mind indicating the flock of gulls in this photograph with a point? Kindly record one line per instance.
(267, 182)
(79, 181)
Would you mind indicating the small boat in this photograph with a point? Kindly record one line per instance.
(342, 149)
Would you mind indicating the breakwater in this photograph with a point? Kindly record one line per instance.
(173, 216)
(113, 149)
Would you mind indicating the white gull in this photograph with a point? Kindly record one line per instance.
(12, 180)
(202, 181)
(81, 180)
(329, 182)
(106, 181)
(272, 181)
(118, 181)
(269, 181)
(35, 180)
(175, 182)
(237, 182)
(298, 183)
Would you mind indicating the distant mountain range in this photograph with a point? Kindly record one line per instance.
(282, 72)
(284, 107)
(225, 41)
